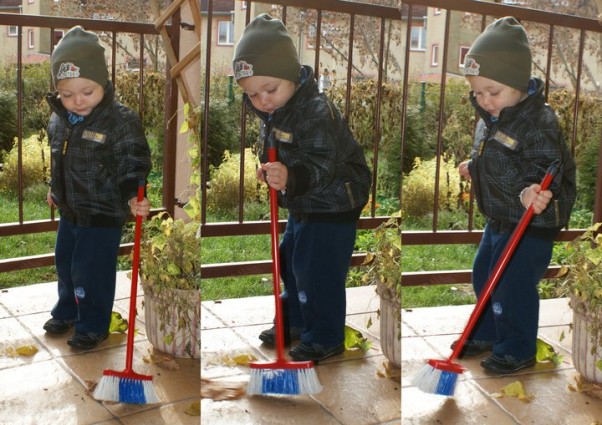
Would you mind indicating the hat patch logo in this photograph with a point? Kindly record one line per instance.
(67, 70)
(243, 69)
(471, 67)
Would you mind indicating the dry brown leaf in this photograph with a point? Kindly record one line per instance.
(389, 371)
(584, 386)
(164, 361)
(221, 390)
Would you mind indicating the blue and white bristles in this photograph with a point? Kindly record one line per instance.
(436, 381)
(125, 390)
(284, 382)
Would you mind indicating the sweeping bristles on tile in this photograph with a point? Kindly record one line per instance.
(438, 377)
(123, 388)
(292, 378)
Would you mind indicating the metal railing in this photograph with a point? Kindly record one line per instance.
(112, 29)
(412, 10)
(348, 12)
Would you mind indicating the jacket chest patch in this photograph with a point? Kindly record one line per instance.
(505, 140)
(94, 136)
(282, 136)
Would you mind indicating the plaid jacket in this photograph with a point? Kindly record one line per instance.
(327, 170)
(96, 164)
(514, 152)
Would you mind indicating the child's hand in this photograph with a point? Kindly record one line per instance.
(139, 208)
(276, 175)
(537, 197)
(49, 200)
(463, 170)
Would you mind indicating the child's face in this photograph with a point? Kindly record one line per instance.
(267, 93)
(80, 95)
(493, 96)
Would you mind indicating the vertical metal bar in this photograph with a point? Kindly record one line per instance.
(318, 43)
(377, 115)
(439, 148)
(404, 96)
(549, 61)
(114, 59)
(141, 79)
(20, 121)
(205, 136)
(349, 65)
(577, 91)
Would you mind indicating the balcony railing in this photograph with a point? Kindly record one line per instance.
(112, 29)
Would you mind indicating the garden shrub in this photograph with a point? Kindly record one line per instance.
(8, 122)
(222, 195)
(35, 163)
(418, 188)
(223, 131)
(589, 128)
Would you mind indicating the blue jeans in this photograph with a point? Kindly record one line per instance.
(315, 259)
(511, 317)
(86, 264)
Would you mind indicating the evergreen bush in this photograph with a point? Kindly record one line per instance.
(8, 122)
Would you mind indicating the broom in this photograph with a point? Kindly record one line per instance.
(128, 386)
(280, 376)
(440, 376)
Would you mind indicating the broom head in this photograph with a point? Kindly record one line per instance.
(438, 377)
(282, 377)
(126, 387)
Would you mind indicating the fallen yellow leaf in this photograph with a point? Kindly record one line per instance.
(194, 409)
(517, 389)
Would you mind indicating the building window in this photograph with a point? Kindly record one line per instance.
(243, 5)
(56, 36)
(13, 31)
(434, 55)
(31, 1)
(463, 52)
(30, 39)
(437, 11)
(418, 38)
(225, 33)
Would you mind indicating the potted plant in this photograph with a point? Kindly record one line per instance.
(170, 269)
(582, 283)
(170, 275)
(384, 271)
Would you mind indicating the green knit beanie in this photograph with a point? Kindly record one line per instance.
(501, 53)
(266, 49)
(79, 55)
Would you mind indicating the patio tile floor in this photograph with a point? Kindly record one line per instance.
(428, 333)
(53, 386)
(353, 394)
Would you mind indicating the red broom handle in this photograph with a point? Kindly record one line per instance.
(134, 290)
(502, 262)
(273, 157)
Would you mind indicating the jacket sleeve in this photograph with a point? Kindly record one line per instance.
(132, 154)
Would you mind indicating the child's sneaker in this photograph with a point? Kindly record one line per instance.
(505, 365)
